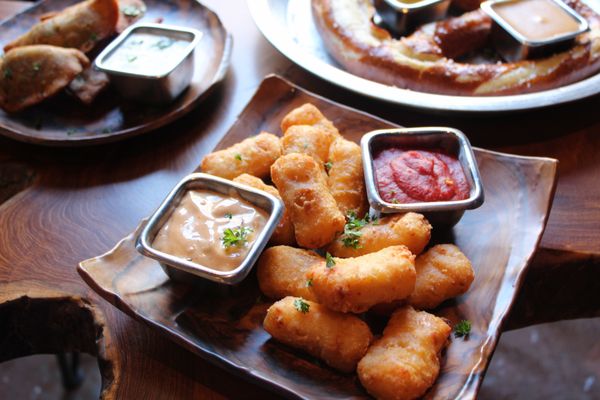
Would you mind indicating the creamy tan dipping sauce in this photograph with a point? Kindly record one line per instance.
(537, 20)
(211, 229)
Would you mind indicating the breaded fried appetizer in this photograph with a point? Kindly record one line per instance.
(312, 208)
(405, 361)
(253, 156)
(80, 26)
(357, 284)
(443, 272)
(284, 233)
(346, 177)
(282, 271)
(88, 85)
(308, 114)
(338, 339)
(309, 140)
(411, 230)
(31, 74)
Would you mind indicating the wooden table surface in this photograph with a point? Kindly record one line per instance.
(60, 206)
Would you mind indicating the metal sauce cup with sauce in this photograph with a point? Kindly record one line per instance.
(151, 63)
(403, 16)
(451, 142)
(524, 29)
(180, 266)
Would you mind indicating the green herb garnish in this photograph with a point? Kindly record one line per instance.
(93, 36)
(238, 157)
(329, 261)
(328, 165)
(462, 329)
(131, 11)
(229, 215)
(131, 58)
(7, 73)
(71, 131)
(301, 305)
(352, 233)
(309, 283)
(164, 43)
(36, 66)
(236, 236)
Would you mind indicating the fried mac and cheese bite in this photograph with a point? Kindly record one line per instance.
(357, 284)
(308, 114)
(79, 26)
(340, 340)
(346, 177)
(309, 140)
(312, 208)
(253, 156)
(284, 233)
(443, 272)
(282, 271)
(411, 230)
(405, 361)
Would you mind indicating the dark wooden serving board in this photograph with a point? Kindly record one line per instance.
(64, 121)
(224, 326)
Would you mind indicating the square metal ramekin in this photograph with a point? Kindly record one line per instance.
(513, 46)
(403, 17)
(153, 89)
(446, 213)
(174, 264)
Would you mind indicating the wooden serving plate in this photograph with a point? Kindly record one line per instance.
(64, 121)
(224, 326)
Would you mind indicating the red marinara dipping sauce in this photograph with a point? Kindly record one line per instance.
(414, 176)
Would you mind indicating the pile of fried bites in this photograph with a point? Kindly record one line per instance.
(369, 264)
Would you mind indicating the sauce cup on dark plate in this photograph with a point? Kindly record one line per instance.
(430, 170)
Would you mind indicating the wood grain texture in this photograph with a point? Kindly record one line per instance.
(82, 201)
(224, 325)
(64, 121)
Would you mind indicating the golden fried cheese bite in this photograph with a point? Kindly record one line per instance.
(311, 206)
(309, 140)
(282, 271)
(284, 233)
(308, 114)
(411, 230)
(357, 284)
(340, 340)
(30, 74)
(346, 177)
(253, 156)
(443, 272)
(405, 361)
(80, 26)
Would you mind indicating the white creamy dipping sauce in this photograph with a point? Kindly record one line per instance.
(211, 229)
(147, 54)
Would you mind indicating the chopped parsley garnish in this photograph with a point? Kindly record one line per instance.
(131, 58)
(229, 215)
(93, 36)
(309, 283)
(462, 329)
(236, 236)
(106, 130)
(36, 66)
(328, 165)
(329, 261)
(131, 11)
(238, 157)
(7, 73)
(301, 305)
(352, 233)
(71, 131)
(164, 43)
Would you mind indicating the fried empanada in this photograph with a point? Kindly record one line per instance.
(30, 74)
(80, 26)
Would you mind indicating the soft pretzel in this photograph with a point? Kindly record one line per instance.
(424, 61)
